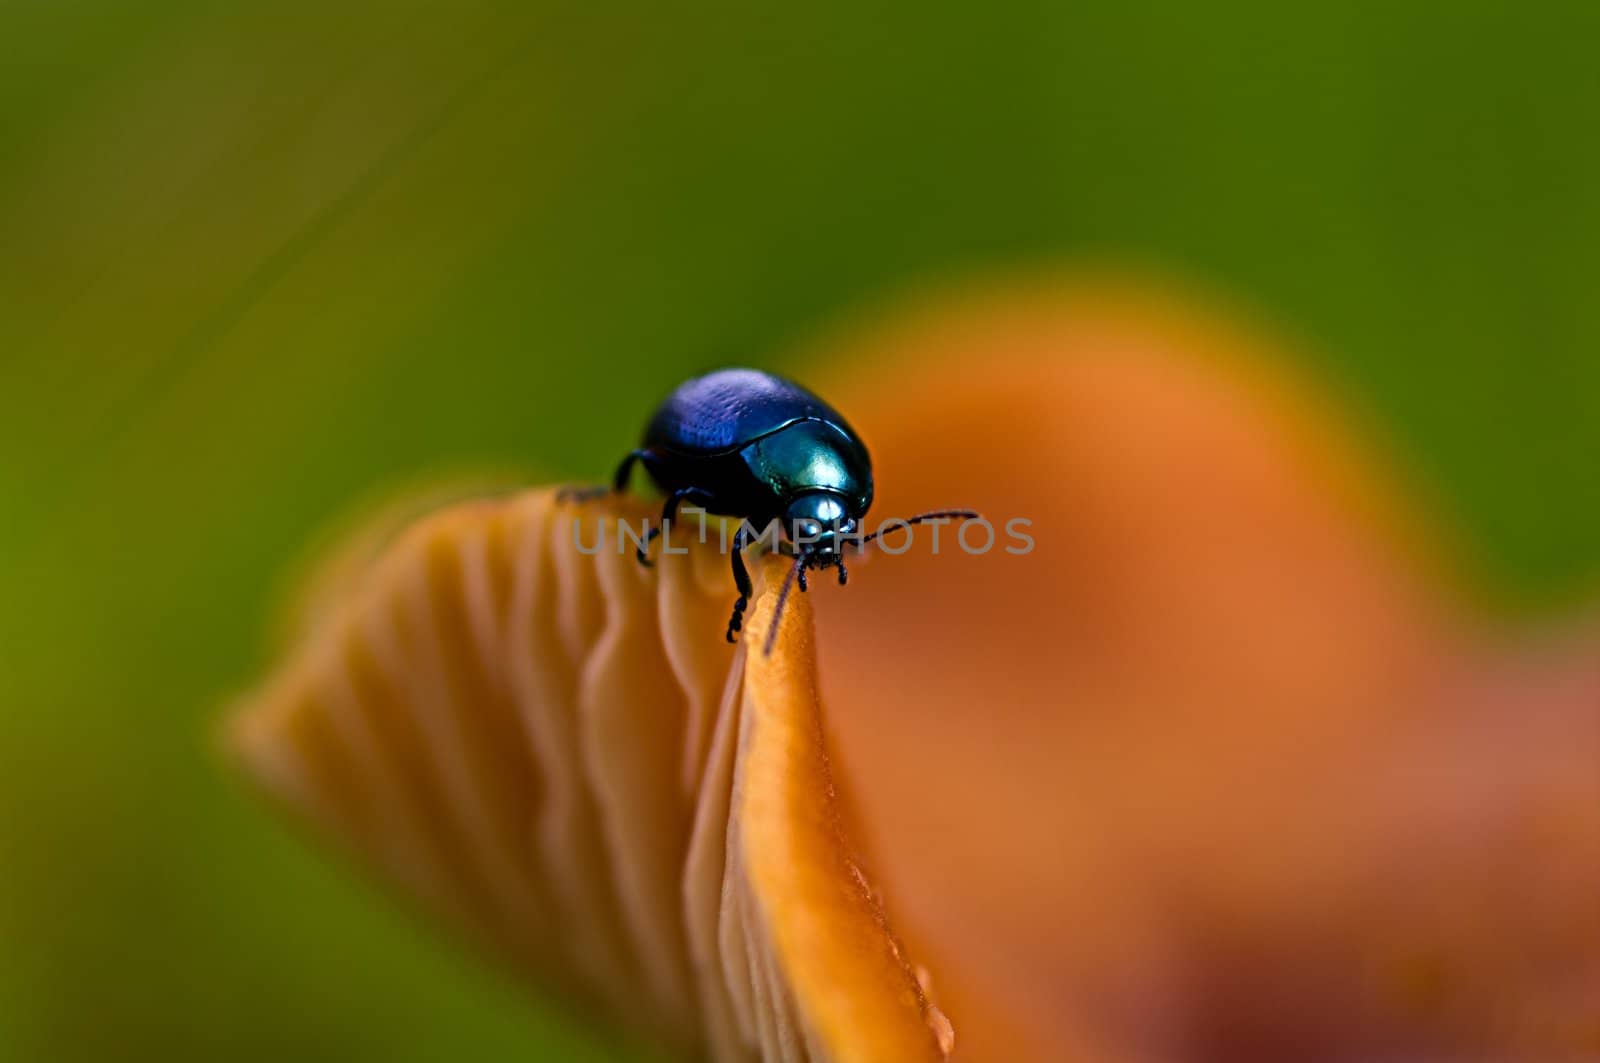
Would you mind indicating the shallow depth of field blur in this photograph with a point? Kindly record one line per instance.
(261, 262)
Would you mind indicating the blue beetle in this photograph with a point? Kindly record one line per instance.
(748, 444)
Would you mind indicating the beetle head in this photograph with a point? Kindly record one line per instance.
(819, 524)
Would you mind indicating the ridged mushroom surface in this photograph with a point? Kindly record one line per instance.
(554, 749)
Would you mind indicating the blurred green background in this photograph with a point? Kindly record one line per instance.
(260, 260)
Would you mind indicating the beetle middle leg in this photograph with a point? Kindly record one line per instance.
(669, 511)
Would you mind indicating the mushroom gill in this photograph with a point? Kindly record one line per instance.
(554, 750)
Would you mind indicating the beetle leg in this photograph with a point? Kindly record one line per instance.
(669, 511)
(619, 479)
(800, 573)
(741, 580)
(643, 552)
(843, 575)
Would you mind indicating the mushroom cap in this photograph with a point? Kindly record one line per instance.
(553, 749)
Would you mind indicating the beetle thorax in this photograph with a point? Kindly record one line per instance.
(810, 457)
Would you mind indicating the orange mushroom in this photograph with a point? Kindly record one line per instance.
(555, 750)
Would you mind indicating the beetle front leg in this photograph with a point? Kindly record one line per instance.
(741, 580)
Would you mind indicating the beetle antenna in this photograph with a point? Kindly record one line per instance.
(936, 514)
(795, 570)
(783, 598)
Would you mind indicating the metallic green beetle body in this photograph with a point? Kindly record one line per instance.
(743, 443)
